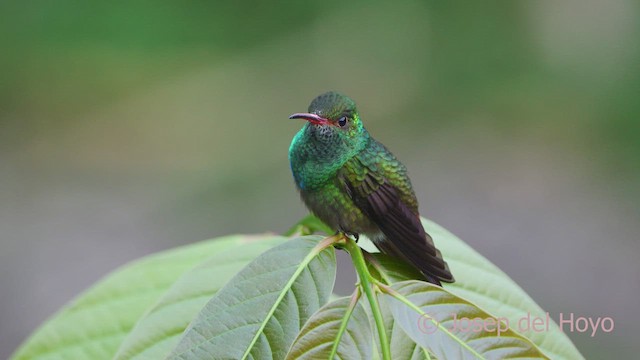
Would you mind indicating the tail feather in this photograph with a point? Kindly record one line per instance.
(419, 262)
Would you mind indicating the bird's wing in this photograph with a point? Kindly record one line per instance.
(380, 188)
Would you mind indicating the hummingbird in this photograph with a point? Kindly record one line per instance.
(354, 184)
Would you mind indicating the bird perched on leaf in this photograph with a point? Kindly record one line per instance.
(356, 185)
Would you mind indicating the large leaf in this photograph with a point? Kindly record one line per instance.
(453, 328)
(95, 323)
(486, 286)
(340, 328)
(261, 310)
(159, 330)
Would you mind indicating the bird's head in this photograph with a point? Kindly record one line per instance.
(332, 134)
(332, 119)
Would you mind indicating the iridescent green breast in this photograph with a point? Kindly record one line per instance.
(317, 153)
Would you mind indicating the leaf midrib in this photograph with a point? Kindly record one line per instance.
(303, 265)
(404, 299)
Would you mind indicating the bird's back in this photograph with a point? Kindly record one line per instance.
(378, 184)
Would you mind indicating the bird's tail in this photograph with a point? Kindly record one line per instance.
(432, 279)
(432, 267)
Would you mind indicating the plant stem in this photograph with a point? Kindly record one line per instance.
(345, 321)
(367, 283)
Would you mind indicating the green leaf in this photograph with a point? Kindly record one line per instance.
(390, 270)
(402, 347)
(453, 328)
(484, 284)
(340, 328)
(400, 344)
(160, 329)
(261, 310)
(94, 324)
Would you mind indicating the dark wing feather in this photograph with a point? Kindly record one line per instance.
(405, 237)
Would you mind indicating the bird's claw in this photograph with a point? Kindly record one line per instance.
(353, 235)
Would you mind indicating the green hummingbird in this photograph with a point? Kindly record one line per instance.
(356, 185)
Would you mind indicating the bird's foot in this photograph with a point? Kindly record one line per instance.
(350, 234)
(355, 236)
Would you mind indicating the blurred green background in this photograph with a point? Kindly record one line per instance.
(127, 129)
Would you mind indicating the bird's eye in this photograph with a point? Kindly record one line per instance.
(342, 121)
